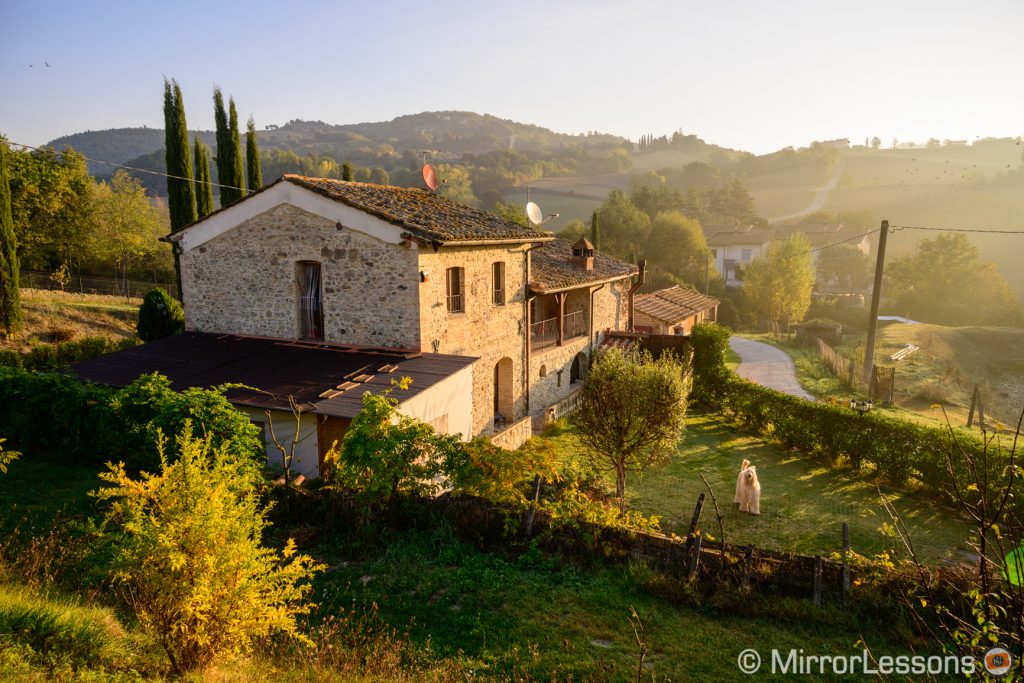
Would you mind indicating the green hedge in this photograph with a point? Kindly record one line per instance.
(898, 449)
(47, 357)
(63, 419)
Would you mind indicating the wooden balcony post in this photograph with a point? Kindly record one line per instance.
(560, 300)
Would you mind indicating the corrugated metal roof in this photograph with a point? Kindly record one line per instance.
(329, 379)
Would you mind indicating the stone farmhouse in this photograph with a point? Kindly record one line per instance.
(321, 290)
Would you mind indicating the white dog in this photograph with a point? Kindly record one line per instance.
(739, 481)
(749, 490)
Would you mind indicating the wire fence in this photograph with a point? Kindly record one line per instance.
(89, 284)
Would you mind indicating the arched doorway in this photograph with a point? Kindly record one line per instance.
(578, 371)
(503, 401)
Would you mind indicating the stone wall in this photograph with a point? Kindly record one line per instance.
(245, 281)
(484, 329)
(515, 435)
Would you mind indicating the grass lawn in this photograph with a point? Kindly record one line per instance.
(65, 316)
(803, 502)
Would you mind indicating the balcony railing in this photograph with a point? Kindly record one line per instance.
(545, 332)
(455, 303)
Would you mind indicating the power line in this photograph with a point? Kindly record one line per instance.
(972, 230)
(129, 168)
(849, 239)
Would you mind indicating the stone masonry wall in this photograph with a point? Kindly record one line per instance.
(486, 330)
(245, 281)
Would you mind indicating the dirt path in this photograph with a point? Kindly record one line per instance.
(768, 366)
(819, 198)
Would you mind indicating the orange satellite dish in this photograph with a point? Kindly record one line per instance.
(430, 177)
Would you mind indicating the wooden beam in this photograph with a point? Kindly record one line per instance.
(560, 300)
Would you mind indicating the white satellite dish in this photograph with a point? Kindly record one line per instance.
(534, 213)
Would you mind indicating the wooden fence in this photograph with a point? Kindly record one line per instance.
(89, 284)
(882, 386)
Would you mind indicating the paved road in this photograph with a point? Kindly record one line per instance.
(768, 366)
(820, 197)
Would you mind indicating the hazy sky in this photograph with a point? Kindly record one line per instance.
(749, 75)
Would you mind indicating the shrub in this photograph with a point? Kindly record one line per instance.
(192, 564)
(710, 343)
(159, 316)
(480, 468)
(9, 358)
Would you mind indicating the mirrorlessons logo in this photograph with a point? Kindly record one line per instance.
(996, 662)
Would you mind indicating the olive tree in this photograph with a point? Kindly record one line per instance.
(632, 412)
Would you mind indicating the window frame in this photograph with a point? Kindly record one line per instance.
(498, 283)
(314, 326)
(455, 297)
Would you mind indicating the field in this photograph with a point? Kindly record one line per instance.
(459, 612)
(803, 503)
(568, 208)
(58, 316)
(939, 379)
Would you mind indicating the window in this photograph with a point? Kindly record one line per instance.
(498, 283)
(543, 371)
(311, 310)
(746, 254)
(455, 285)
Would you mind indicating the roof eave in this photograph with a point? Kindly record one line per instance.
(554, 290)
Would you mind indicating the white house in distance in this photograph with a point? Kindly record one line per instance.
(321, 289)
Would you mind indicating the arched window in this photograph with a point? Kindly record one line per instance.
(543, 371)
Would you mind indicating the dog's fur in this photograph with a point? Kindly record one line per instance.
(748, 490)
(739, 480)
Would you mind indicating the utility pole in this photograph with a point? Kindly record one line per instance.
(876, 295)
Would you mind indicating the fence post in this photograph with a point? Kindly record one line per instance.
(696, 515)
(817, 580)
(748, 565)
(846, 558)
(974, 402)
(694, 556)
(892, 383)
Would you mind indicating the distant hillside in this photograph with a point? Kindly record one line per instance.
(447, 134)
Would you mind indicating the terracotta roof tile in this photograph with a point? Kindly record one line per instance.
(424, 214)
(552, 268)
(674, 304)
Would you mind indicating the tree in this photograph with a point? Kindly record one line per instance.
(876, 142)
(252, 157)
(229, 152)
(384, 453)
(127, 225)
(573, 231)
(346, 172)
(846, 265)
(204, 185)
(455, 184)
(191, 562)
(595, 230)
(624, 227)
(159, 316)
(511, 212)
(379, 176)
(947, 283)
(677, 246)
(10, 294)
(181, 199)
(778, 285)
(632, 411)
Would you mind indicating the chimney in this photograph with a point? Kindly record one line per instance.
(632, 290)
(583, 254)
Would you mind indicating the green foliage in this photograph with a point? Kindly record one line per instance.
(384, 453)
(10, 297)
(47, 357)
(941, 282)
(346, 172)
(677, 247)
(379, 176)
(204, 185)
(456, 184)
(573, 231)
(98, 424)
(778, 285)
(480, 468)
(846, 265)
(57, 629)
(571, 505)
(511, 212)
(181, 198)
(252, 157)
(229, 151)
(160, 315)
(128, 226)
(710, 344)
(6, 457)
(624, 227)
(595, 230)
(632, 412)
(192, 565)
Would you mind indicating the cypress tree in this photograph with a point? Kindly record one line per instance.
(204, 188)
(346, 171)
(252, 157)
(10, 296)
(223, 154)
(595, 232)
(181, 200)
(237, 164)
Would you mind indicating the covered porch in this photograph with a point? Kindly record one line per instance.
(559, 317)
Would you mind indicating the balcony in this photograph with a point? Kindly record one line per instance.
(544, 333)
